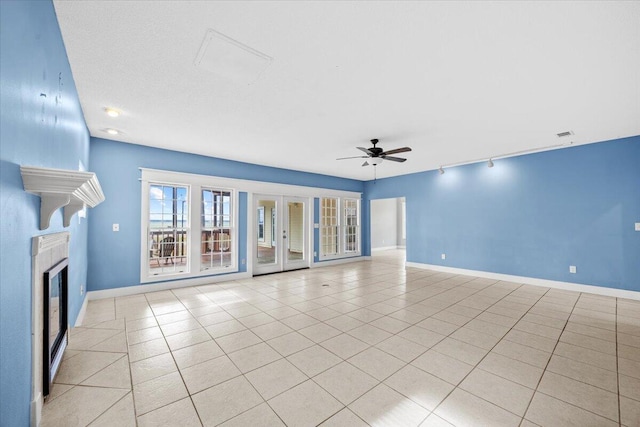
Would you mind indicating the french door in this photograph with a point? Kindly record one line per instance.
(281, 233)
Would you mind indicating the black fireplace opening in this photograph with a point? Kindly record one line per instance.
(55, 321)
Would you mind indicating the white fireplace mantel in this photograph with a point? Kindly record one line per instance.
(61, 188)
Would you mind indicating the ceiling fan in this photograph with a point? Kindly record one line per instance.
(375, 155)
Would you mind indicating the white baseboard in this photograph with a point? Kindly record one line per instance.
(339, 261)
(83, 310)
(386, 248)
(163, 286)
(36, 410)
(568, 286)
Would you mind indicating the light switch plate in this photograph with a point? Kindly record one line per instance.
(637, 226)
(443, 256)
(116, 227)
(572, 269)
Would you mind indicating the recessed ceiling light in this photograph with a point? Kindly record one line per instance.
(111, 112)
(112, 132)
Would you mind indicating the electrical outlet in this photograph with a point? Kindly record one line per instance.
(116, 227)
(572, 269)
(243, 261)
(637, 226)
(315, 253)
(81, 290)
(443, 256)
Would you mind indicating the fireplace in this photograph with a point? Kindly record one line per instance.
(55, 321)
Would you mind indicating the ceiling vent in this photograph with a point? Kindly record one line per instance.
(231, 59)
(566, 133)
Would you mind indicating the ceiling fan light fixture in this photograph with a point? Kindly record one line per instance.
(375, 161)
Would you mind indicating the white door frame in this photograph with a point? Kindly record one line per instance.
(281, 263)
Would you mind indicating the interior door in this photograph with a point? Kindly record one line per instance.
(281, 234)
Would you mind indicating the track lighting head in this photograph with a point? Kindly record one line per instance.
(490, 163)
(441, 170)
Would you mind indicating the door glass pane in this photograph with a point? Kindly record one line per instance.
(168, 229)
(295, 238)
(266, 232)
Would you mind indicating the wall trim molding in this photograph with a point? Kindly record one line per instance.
(82, 312)
(340, 261)
(568, 286)
(163, 286)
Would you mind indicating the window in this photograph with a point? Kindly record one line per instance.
(217, 229)
(188, 226)
(339, 227)
(168, 229)
(261, 224)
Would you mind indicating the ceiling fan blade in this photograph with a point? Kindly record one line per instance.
(366, 150)
(365, 164)
(397, 150)
(353, 157)
(394, 159)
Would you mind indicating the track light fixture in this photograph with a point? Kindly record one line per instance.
(490, 163)
(441, 170)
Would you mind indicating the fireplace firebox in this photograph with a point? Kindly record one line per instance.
(55, 321)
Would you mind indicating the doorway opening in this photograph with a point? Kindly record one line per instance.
(388, 230)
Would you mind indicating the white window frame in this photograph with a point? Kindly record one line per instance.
(195, 183)
(341, 216)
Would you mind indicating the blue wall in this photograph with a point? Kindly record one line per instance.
(35, 130)
(114, 258)
(531, 215)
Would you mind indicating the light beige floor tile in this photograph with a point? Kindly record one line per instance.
(306, 404)
(121, 414)
(492, 329)
(548, 411)
(531, 340)
(589, 342)
(627, 367)
(153, 367)
(256, 320)
(344, 418)
(435, 421)
(323, 313)
(423, 388)
(185, 339)
(147, 349)
(629, 352)
(299, 321)
(224, 401)
(221, 329)
(365, 315)
(208, 374)
(109, 324)
(262, 415)
(115, 375)
(79, 406)
(115, 344)
(290, 343)
(583, 395)
(376, 363)
(522, 353)
(57, 390)
(477, 412)
(408, 316)
(630, 387)
(383, 406)
(238, 340)
(271, 330)
(158, 392)
(629, 412)
(88, 338)
(511, 369)
(142, 335)
(450, 317)
(585, 355)
(584, 372)
(345, 382)
(314, 360)
(603, 334)
(401, 348)
(464, 352)
(344, 345)
(177, 316)
(82, 366)
(197, 353)
(478, 339)
(436, 325)
(319, 332)
(180, 413)
(421, 336)
(344, 323)
(497, 390)
(369, 334)
(537, 329)
(498, 319)
(275, 378)
(254, 357)
(178, 327)
(442, 366)
(282, 312)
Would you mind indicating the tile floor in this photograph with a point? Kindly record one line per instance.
(366, 343)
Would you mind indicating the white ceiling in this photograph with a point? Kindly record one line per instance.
(456, 81)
